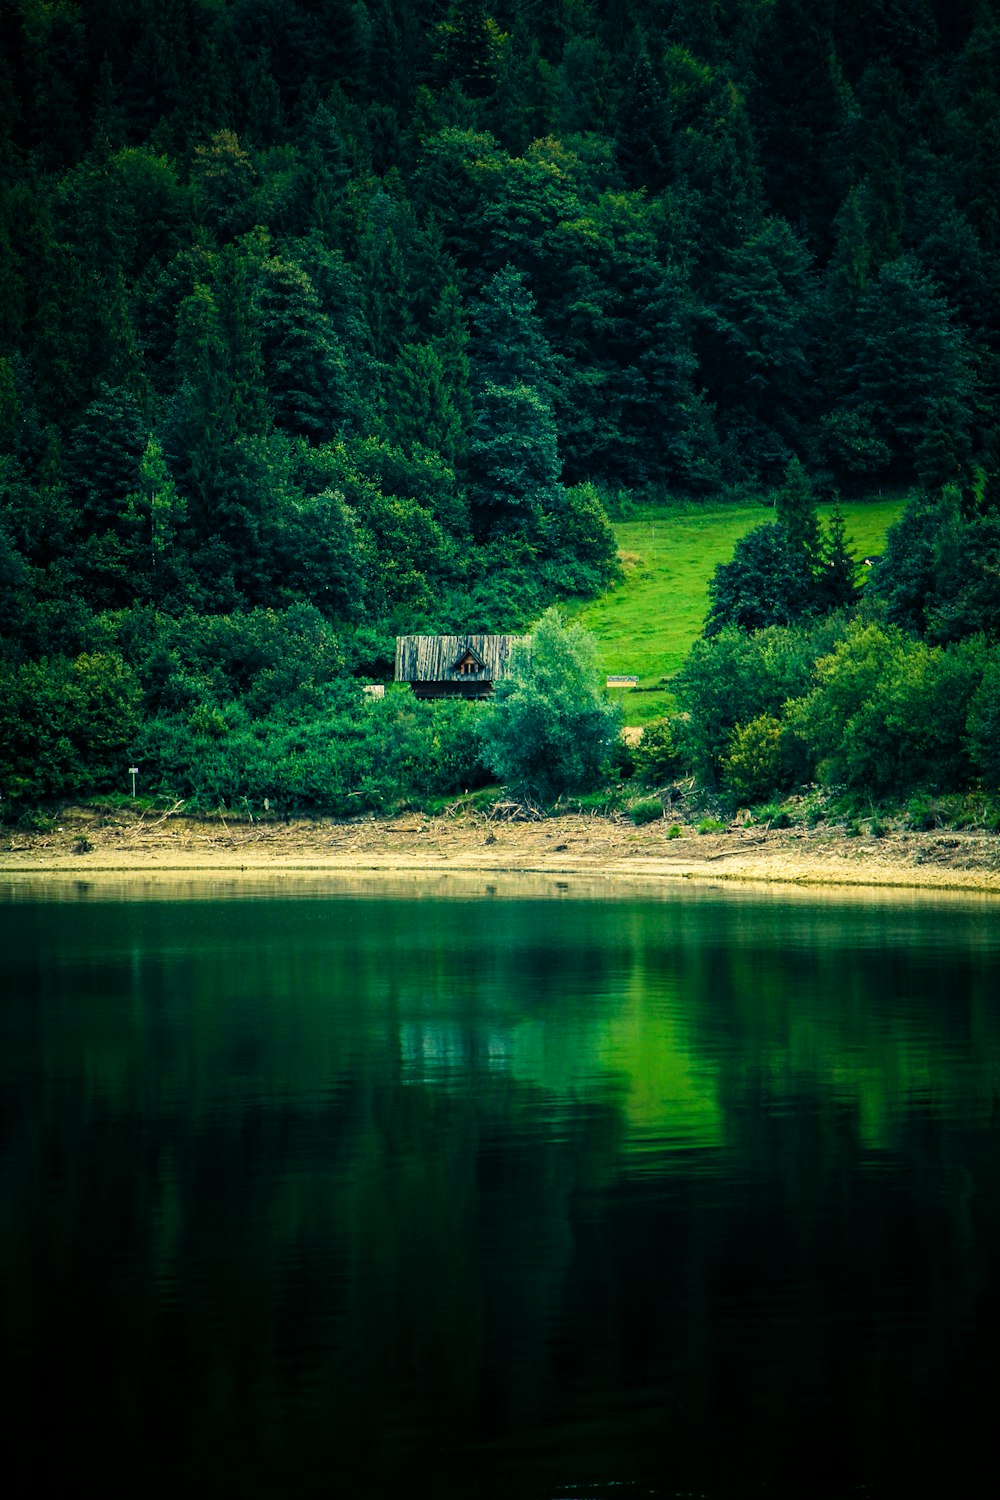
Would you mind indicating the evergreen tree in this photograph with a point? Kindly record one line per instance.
(509, 346)
(451, 345)
(909, 357)
(837, 578)
(104, 455)
(304, 365)
(514, 466)
(421, 412)
(801, 103)
(643, 141)
(223, 178)
(464, 54)
(761, 346)
(795, 512)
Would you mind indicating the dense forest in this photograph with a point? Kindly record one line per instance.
(323, 319)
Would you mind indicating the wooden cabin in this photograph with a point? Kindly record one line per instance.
(462, 666)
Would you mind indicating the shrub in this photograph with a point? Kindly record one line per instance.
(888, 713)
(921, 814)
(735, 678)
(752, 769)
(983, 723)
(646, 810)
(775, 816)
(548, 729)
(655, 755)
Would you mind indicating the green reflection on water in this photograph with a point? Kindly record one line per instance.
(523, 1189)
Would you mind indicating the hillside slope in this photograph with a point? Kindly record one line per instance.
(646, 623)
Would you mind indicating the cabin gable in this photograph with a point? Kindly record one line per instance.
(438, 666)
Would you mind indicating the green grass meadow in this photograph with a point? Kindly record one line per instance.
(646, 624)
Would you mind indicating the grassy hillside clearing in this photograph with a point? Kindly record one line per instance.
(645, 625)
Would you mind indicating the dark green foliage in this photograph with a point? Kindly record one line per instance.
(940, 573)
(836, 575)
(761, 343)
(345, 758)
(422, 411)
(795, 512)
(304, 366)
(509, 346)
(102, 463)
(909, 359)
(514, 465)
(786, 571)
(766, 583)
(360, 307)
(66, 725)
(655, 756)
(984, 723)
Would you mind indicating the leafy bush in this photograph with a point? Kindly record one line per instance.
(66, 725)
(752, 769)
(358, 755)
(921, 814)
(774, 815)
(888, 714)
(646, 810)
(735, 678)
(548, 728)
(983, 722)
(655, 755)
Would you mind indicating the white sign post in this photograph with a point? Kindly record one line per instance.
(133, 771)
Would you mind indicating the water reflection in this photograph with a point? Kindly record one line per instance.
(522, 1196)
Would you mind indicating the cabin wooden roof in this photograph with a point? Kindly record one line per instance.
(436, 658)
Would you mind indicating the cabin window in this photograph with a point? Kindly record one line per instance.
(468, 664)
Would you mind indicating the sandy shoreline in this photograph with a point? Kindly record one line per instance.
(85, 845)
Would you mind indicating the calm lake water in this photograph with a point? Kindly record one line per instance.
(312, 1191)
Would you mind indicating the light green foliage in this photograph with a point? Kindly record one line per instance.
(351, 756)
(580, 536)
(646, 810)
(752, 767)
(888, 713)
(548, 729)
(735, 678)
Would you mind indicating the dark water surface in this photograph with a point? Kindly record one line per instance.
(374, 1194)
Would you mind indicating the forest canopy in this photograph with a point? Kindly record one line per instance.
(321, 319)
